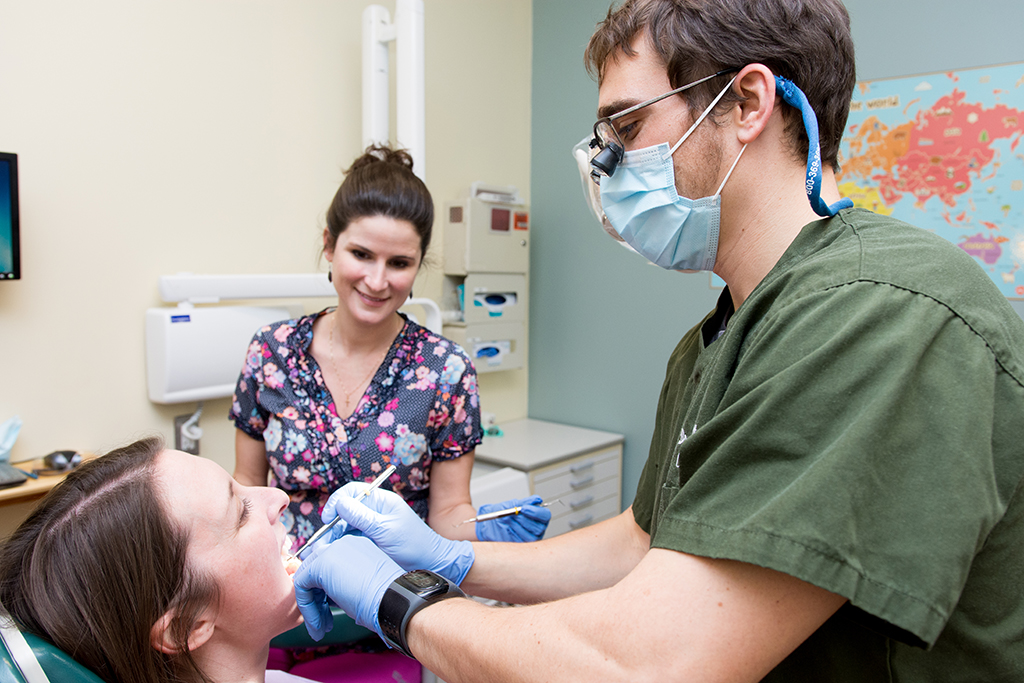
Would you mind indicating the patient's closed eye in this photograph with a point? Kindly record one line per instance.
(246, 510)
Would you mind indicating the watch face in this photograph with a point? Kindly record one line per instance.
(423, 583)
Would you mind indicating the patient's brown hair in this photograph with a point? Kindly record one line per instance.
(98, 562)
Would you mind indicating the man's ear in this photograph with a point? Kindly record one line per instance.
(161, 638)
(756, 85)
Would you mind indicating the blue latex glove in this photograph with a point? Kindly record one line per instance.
(529, 525)
(352, 572)
(386, 518)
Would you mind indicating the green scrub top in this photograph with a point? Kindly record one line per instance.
(859, 425)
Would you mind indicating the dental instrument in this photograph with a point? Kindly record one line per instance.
(504, 513)
(381, 478)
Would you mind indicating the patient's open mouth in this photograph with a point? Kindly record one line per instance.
(291, 564)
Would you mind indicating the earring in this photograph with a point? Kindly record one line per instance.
(329, 276)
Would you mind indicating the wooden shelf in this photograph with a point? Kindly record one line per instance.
(33, 489)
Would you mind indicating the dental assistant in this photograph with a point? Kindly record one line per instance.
(339, 395)
(833, 486)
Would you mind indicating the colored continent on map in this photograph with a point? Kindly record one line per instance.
(941, 152)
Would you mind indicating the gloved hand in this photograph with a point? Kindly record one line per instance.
(353, 572)
(529, 525)
(386, 518)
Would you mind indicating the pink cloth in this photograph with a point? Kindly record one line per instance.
(274, 676)
(279, 659)
(350, 667)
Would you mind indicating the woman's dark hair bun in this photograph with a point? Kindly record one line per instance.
(375, 154)
(381, 182)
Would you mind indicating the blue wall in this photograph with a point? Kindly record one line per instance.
(602, 321)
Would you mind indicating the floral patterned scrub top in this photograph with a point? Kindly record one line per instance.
(421, 405)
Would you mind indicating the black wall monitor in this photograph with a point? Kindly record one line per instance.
(10, 248)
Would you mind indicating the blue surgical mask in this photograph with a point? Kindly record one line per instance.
(641, 203)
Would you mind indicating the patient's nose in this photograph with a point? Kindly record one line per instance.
(276, 501)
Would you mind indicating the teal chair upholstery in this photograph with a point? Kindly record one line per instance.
(345, 631)
(59, 668)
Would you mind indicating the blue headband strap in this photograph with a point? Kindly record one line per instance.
(795, 97)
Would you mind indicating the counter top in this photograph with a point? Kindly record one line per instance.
(529, 444)
(33, 489)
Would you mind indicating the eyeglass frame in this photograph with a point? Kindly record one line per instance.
(596, 141)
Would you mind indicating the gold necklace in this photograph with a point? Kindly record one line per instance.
(334, 364)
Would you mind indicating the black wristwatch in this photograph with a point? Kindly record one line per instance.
(406, 596)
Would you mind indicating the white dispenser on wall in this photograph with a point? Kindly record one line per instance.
(486, 261)
(195, 354)
(194, 351)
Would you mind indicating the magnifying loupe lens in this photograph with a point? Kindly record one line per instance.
(607, 159)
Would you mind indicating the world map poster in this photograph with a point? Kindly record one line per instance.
(942, 152)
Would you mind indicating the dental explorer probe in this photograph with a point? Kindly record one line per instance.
(504, 513)
(327, 527)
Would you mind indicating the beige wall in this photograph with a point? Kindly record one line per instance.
(207, 136)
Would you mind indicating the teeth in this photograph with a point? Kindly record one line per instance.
(291, 564)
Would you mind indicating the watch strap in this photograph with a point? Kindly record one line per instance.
(404, 598)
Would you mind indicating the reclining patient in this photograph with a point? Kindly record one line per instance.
(154, 565)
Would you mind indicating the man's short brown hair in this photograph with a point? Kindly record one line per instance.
(807, 41)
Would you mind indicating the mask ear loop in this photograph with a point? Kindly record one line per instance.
(702, 116)
(794, 96)
(731, 168)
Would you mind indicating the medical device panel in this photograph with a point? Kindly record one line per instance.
(487, 232)
(195, 354)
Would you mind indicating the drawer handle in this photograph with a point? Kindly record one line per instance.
(581, 503)
(580, 483)
(582, 523)
(581, 466)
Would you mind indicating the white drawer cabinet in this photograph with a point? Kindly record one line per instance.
(591, 514)
(582, 468)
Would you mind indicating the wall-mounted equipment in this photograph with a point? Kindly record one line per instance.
(195, 352)
(487, 232)
(410, 78)
(486, 259)
(485, 297)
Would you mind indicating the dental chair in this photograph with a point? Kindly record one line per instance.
(57, 666)
(345, 631)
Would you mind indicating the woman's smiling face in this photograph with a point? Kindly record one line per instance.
(235, 537)
(374, 263)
